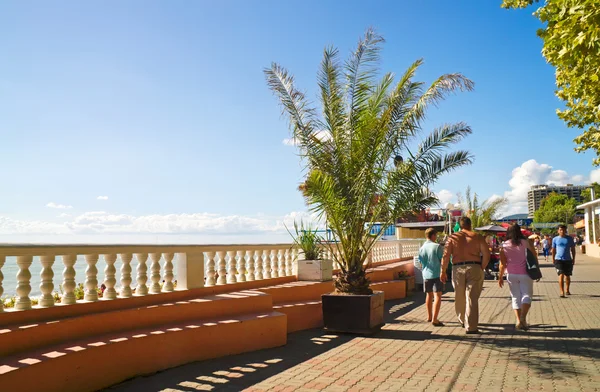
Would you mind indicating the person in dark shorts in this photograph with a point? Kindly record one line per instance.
(563, 258)
(430, 256)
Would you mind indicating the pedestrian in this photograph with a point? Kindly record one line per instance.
(430, 256)
(470, 255)
(513, 259)
(546, 242)
(563, 258)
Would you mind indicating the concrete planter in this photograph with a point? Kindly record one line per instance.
(357, 314)
(315, 270)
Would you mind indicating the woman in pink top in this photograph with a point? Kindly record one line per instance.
(513, 259)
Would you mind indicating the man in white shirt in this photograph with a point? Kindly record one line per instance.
(546, 246)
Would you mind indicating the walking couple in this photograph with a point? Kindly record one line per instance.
(470, 255)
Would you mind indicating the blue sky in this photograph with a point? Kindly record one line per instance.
(162, 107)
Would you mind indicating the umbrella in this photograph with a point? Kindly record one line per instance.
(533, 236)
(494, 228)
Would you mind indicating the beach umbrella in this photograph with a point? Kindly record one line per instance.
(492, 228)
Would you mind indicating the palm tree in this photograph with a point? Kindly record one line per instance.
(352, 148)
(484, 213)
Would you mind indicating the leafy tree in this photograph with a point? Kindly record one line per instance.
(572, 45)
(481, 214)
(586, 195)
(349, 148)
(556, 208)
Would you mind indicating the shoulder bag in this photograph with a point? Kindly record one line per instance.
(532, 265)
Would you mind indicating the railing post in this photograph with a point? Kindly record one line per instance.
(274, 269)
(210, 269)
(267, 266)
(69, 280)
(221, 268)
(109, 276)
(91, 278)
(241, 265)
(231, 274)
(288, 263)
(190, 270)
(142, 274)
(168, 286)
(250, 275)
(126, 275)
(155, 272)
(281, 262)
(46, 285)
(258, 274)
(2, 260)
(23, 283)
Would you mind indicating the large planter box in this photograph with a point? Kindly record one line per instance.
(359, 314)
(319, 270)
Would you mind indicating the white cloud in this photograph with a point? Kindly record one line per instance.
(445, 197)
(595, 176)
(102, 198)
(103, 223)
(533, 173)
(59, 206)
(64, 215)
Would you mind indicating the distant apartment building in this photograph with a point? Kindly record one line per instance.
(538, 192)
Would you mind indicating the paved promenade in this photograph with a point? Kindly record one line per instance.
(561, 351)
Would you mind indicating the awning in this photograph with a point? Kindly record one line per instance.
(580, 224)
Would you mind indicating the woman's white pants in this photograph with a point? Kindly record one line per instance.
(521, 289)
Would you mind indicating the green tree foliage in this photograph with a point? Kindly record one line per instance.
(572, 44)
(556, 208)
(352, 178)
(481, 214)
(586, 195)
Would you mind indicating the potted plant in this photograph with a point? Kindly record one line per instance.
(310, 264)
(359, 167)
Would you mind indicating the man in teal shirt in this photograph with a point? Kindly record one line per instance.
(430, 256)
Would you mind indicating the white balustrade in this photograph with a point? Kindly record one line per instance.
(69, 284)
(109, 277)
(231, 274)
(281, 262)
(267, 265)
(142, 276)
(2, 260)
(210, 269)
(241, 265)
(168, 286)
(46, 285)
(221, 268)
(155, 273)
(91, 278)
(126, 280)
(192, 265)
(274, 270)
(23, 283)
(251, 265)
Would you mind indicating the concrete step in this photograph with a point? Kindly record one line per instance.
(24, 337)
(101, 361)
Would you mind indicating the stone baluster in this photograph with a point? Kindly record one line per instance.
(91, 278)
(281, 262)
(221, 268)
(155, 272)
(241, 265)
(250, 256)
(126, 275)
(288, 262)
(231, 274)
(267, 265)
(109, 276)
(2, 259)
(68, 284)
(46, 284)
(142, 274)
(210, 269)
(168, 286)
(274, 271)
(258, 274)
(23, 283)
